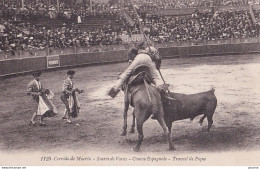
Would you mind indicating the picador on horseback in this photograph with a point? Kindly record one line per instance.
(143, 90)
(149, 58)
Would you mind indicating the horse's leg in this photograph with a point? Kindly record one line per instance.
(141, 115)
(126, 106)
(132, 130)
(166, 132)
(139, 125)
(170, 128)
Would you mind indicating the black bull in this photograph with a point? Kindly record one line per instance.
(190, 106)
(185, 106)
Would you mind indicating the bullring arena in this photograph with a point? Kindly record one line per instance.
(236, 119)
(203, 45)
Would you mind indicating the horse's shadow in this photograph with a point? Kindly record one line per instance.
(218, 139)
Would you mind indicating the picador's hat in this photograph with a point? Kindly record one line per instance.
(36, 74)
(70, 72)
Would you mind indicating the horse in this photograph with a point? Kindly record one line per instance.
(145, 99)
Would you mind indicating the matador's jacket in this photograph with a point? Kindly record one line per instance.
(67, 87)
(34, 87)
(69, 97)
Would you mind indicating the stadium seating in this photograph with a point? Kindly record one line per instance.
(40, 25)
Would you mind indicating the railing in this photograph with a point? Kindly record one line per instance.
(189, 11)
(57, 51)
(212, 42)
(100, 48)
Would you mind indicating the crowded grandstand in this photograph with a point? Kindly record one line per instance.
(173, 59)
(58, 24)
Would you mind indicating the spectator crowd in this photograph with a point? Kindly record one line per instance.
(205, 26)
(19, 32)
(177, 4)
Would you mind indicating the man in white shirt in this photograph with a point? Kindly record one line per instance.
(148, 57)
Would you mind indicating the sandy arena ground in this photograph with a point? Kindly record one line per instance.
(236, 120)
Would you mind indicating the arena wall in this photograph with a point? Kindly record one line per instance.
(15, 66)
(93, 58)
(22, 65)
(221, 49)
(169, 52)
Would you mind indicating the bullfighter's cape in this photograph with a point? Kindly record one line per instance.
(45, 106)
(74, 104)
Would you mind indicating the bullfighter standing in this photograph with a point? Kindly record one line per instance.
(69, 97)
(41, 96)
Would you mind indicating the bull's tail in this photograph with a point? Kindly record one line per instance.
(212, 89)
(211, 94)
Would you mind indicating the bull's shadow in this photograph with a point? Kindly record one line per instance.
(218, 139)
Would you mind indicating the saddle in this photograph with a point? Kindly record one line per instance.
(140, 75)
